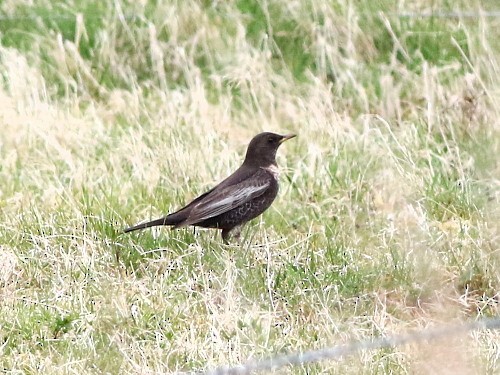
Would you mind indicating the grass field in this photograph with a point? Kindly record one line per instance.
(387, 221)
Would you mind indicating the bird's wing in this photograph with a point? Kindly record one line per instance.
(224, 199)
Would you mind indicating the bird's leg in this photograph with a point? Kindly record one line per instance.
(233, 232)
(225, 235)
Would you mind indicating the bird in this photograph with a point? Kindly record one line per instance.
(239, 198)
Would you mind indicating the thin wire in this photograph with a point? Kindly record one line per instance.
(435, 14)
(452, 14)
(336, 352)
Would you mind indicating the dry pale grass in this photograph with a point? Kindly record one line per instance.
(387, 220)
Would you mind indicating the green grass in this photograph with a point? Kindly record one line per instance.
(387, 217)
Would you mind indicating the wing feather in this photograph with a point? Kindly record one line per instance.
(223, 200)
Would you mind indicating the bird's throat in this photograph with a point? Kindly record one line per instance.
(273, 169)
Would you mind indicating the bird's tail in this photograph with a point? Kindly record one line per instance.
(163, 221)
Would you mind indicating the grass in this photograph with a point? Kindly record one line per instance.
(387, 217)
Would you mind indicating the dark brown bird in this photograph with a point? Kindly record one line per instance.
(241, 197)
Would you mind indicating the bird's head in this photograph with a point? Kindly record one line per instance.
(262, 149)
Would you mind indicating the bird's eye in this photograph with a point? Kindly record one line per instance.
(270, 140)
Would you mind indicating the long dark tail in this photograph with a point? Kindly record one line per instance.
(163, 221)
